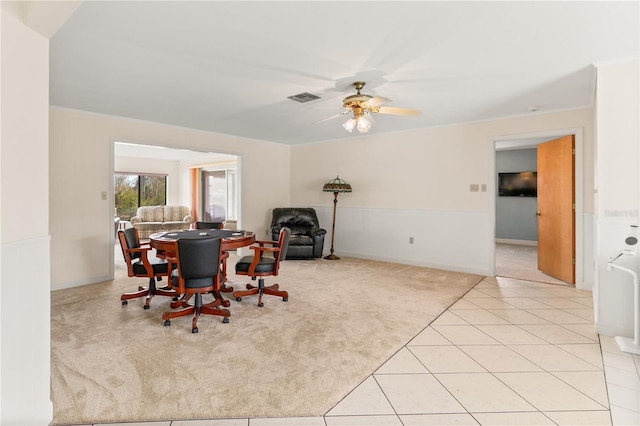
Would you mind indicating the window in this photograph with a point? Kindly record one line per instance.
(133, 190)
(219, 197)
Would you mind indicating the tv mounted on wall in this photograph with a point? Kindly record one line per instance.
(519, 184)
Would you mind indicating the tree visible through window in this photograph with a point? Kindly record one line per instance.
(136, 190)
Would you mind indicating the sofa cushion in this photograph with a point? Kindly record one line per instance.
(300, 240)
(176, 213)
(151, 213)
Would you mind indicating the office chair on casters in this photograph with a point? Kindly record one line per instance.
(259, 266)
(198, 273)
(139, 265)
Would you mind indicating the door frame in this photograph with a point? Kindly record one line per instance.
(522, 140)
(110, 193)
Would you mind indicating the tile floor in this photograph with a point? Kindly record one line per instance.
(510, 352)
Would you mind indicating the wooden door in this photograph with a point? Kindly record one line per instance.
(556, 209)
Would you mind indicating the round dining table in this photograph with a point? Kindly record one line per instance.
(165, 243)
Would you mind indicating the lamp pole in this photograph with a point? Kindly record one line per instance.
(333, 227)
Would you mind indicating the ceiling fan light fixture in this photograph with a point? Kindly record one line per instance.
(362, 124)
(349, 125)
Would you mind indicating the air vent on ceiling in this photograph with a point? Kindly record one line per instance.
(303, 97)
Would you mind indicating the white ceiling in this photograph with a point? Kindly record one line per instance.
(228, 67)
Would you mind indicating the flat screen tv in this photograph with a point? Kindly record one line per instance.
(519, 184)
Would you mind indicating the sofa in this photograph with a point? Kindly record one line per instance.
(307, 238)
(150, 219)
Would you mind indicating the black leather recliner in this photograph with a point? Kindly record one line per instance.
(307, 238)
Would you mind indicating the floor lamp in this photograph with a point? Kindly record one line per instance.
(335, 185)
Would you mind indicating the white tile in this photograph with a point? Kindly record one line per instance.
(622, 416)
(479, 316)
(622, 378)
(525, 303)
(559, 302)
(587, 352)
(438, 420)
(512, 419)
(620, 360)
(463, 304)
(465, 335)
(482, 392)
(429, 336)
(402, 362)
(555, 334)
(518, 316)
(287, 421)
(559, 316)
(510, 334)
(363, 421)
(489, 303)
(366, 399)
(586, 313)
(552, 358)
(548, 393)
(587, 330)
(590, 383)
(448, 318)
(580, 418)
(624, 397)
(445, 359)
(499, 359)
(609, 344)
(417, 394)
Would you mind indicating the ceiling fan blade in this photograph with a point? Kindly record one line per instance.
(373, 102)
(332, 117)
(397, 111)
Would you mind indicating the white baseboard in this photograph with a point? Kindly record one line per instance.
(519, 242)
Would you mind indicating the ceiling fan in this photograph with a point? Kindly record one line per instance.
(361, 106)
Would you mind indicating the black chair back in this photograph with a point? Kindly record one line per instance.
(285, 243)
(131, 241)
(209, 225)
(199, 258)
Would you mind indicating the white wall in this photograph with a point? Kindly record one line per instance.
(416, 184)
(618, 192)
(81, 169)
(24, 225)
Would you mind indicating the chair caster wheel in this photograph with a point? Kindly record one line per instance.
(194, 330)
(175, 299)
(125, 303)
(146, 307)
(239, 299)
(285, 299)
(261, 304)
(225, 320)
(167, 323)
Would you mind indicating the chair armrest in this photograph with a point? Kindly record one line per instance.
(188, 219)
(316, 232)
(135, 219)
(258, 250)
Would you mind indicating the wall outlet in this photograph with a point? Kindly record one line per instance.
(103, 195)
(410, 240)
(474, 187)
(483, 187)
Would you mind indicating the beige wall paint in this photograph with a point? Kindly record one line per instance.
(24, 225)
(81, 169)
(424, 169)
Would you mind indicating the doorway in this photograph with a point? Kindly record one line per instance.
(517, 257)
(177, 166)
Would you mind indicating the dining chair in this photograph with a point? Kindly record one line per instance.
(197, 273)
(139, 264)
(258, 266)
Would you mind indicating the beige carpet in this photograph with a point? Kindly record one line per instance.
(113, 363)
